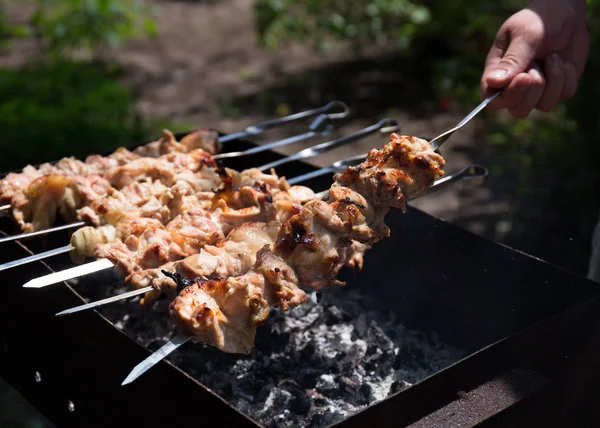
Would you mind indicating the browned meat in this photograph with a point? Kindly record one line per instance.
(311, 247)
(226, 313)
(318, 241)
(35, 207)
(405, 168)
(150, 249)
(145, 198)
(204, 139)
(194, 229)
(232, 257)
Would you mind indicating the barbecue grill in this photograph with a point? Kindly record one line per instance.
(440, 328)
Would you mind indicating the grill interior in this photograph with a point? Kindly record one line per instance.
(425, 310)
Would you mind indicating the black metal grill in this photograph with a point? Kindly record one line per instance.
(519, 319)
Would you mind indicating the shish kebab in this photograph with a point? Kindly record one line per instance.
(310, 247)
(233, 256)
(193, 298)
(309, 250)
(70, 184)
(152, 167)
(15, 181)
(384, 126)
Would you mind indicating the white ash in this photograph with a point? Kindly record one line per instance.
(313, 365)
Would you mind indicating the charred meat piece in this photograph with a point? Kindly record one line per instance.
(311, 247)
(318, 241)
(232, 257)
(204, 139)
(36, 206)
(226, 313)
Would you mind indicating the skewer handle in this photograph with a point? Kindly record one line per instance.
(321, 126)
(261, 127)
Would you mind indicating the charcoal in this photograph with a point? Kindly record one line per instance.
(313, 365)
(333, 315)
(325, 418)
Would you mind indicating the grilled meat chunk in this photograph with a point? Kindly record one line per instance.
(311, 247)
(231, 257)
(226, 313)
(36, 206)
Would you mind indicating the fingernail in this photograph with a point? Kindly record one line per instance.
(498, 74)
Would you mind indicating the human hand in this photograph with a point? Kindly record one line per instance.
(538, 56)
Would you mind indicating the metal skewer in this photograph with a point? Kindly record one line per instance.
(41, 232)
(437, 142)
(157, 356)
(36, 257)
(106, 301)
(74, 272)
(469, 172)
(261, 127)
(384, 126)
(334, 167)
(320, 127)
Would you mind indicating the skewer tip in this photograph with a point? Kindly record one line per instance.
(157, 356)
(34, 283)
(130, 378)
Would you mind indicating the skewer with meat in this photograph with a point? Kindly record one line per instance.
(311, 246)
(229, 258)
(232, 257)
(72, 184)
(36, 206)
(188, 233)
(133, 245)
(191, 218)
(205, 139)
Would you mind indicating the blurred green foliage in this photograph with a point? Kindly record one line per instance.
(48, 111)
(452, 35)
(68, 99)
(90, 25)
(84, 27)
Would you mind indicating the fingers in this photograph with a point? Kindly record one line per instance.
(554, 72)
(526, 90)
(514, 49)
(522, 94)
(580, 46)
(571, 82)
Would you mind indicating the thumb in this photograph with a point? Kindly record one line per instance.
(507, 60)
